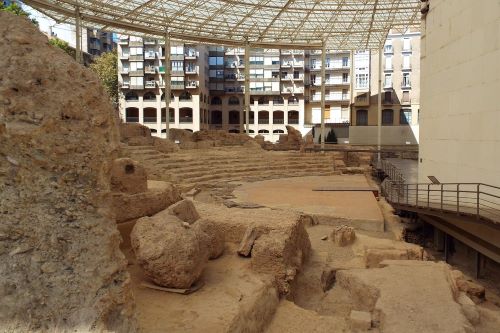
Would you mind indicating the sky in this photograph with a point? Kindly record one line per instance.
(62, 31)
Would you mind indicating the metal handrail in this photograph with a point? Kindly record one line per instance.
(477, 199)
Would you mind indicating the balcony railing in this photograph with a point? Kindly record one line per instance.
(405, 84)
(233, 89)
(177, 85)
(150, 84)
(150, 119)
(191, 54)
(125, 85)
(124, 71)
(137, 86)
(263, 121)
(149, 55)
(123, 41)
(136, 57)
(132, 119)
(150, 70)
(136, 73)
(278, 121)
(124, 56)
(149, 41)
(293, 121)
(192, 84)
(191, 70)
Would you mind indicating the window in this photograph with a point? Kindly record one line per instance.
(345, 78)
(177, 66)
(361, 81)
(185, 96)
(216, 101)
(131, 96)
(405, 117)
(177, 50)
(406, 80)
(149, 96)
(406, 97)
(257, 73)
(256, 60)
(406, 62)
(388, 62)
(388, 46)
(388, 81)
(296, 75)
(233, 100)
(387, 117)
(362, 118)
(216, 61)
(219, 74)
(345, 61)
(406, 44)
(387, 97)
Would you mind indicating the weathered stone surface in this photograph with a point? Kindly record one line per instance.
(474, 290)
(215, 238)
(60, 264)
(248, 240)
(343, 235)
(360, 320)
(171, 255)
(185, 211)
(180, 135)
(294, 136)
(133, 130)
(128, 176)
(164, 145)
(131, 206)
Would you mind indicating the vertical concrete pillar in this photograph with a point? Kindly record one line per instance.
(167, 82)
(247, 90)
(323, 76)
(78, 32)
(379, 102)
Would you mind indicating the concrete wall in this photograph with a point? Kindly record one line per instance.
(391, 135)
(460, 113)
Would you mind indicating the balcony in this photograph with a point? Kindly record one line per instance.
(123, 41)
(191, 70)
(149, 55)
(150, 70)
(287, 64)
(292, 90)
(177, 85)
(191, 54)
(150, 84)
(192, 84)
(125, 85)
(388, 49)
(124, 56)
(184, 120)
(136, 57)
(406, 67)
(231, 64)
(233, 89)
(405, 84)
(263, 121)
(230, 77)
(135, 43)
(124, 71)
(150, 41)
(136, 73)
(298, 64)
(132, 119)
(137, 86)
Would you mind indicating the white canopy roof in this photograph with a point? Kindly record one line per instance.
(294, 24)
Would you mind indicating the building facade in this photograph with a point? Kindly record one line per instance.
(400, 74)
(97, 42)
(208, 83)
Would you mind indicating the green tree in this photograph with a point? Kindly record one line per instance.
(15, 9)
(106, 68)
(63, 45)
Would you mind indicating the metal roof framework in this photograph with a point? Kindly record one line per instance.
(286, 24)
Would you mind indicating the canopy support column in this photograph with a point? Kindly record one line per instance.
(167, 83)
(323, 78)
(247, 88)
(379, 102)
(351, 87)
(78, 32)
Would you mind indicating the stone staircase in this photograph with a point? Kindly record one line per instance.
(188, 168)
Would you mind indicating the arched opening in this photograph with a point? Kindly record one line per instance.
(131, 96)
(278, 131)
(278, 100)
(185, 96)
(153, 130)
(171, 119)
(263, 117)
(234, 117)
(293, 117)
(250, 131)
(216, 117)
(263, 131)
(233, 100)
(293, 100)
(251, 118)
(252, 101)
(131, 115)
(233, 131)
(263, 100)
(149, 96)
(185, 115)
(361, 117)
(216, 101)
(149, 115)
(278, 117)
(171, 97)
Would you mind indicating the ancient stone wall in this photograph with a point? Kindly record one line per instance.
(60, 265)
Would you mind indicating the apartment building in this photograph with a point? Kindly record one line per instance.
(400, 92)
(97, 42)
(141, 66)
(285, 88)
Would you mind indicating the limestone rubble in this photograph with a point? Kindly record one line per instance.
(60, 264)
